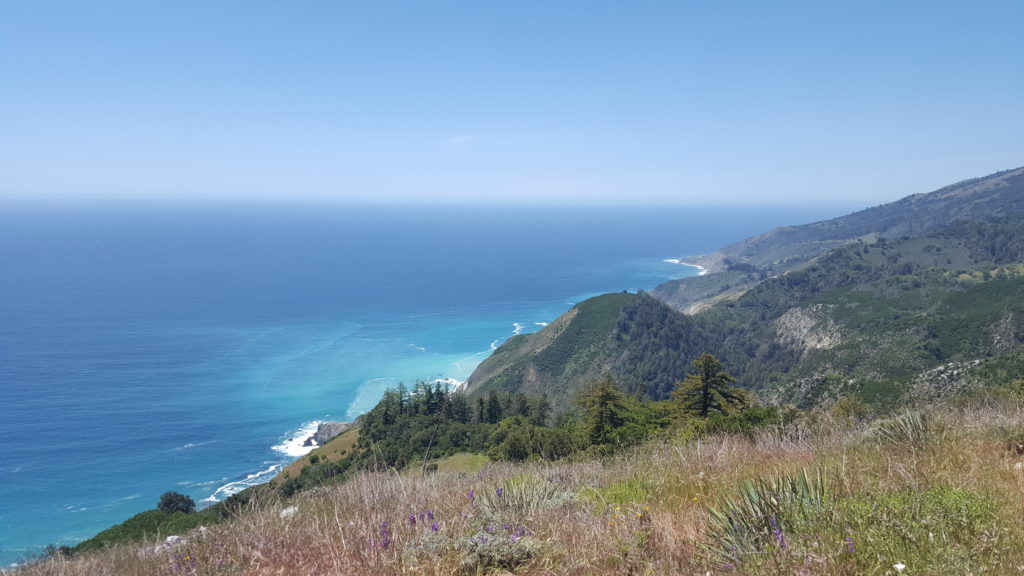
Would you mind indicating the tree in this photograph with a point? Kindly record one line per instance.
(494, 411)
(603, 405)
(171, 502)
(708, 390)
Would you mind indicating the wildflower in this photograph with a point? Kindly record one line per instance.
(470, 495)
(288, 512)
(435, 527)
(780, 538)
(899, 566)
(849, 545)
(385, 535)
(498, 491)
(412, 519)
(430, 514)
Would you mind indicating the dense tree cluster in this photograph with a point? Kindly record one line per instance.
(411, 427)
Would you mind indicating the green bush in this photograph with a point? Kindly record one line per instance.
(171, 502)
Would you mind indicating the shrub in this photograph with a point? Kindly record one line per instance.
(171, 502)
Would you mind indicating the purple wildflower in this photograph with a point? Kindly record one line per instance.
(850, 547)
(471, 495)
(430, 514)
(499, 491)
(412, 519)
(184, 563)
(385, 535)
(780, 538)
(435, 527)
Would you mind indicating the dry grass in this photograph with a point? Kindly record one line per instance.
(335, 449)
(641, 512)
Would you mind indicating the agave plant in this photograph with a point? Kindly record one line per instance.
(911, 429)
(765, 510)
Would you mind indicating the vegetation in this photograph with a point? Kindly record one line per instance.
(145, 526)
(709, 391)
(171, 502)
(816, 495)
(873, 319)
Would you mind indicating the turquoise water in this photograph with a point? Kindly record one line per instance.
(148, 348)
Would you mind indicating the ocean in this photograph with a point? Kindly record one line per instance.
(147, 347)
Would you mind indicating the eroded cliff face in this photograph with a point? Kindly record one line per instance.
(1007, 333)
(809, 327)
(326, 431)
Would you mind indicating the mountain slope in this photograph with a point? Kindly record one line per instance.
(875, 318)
(740, 265)
(639, 341)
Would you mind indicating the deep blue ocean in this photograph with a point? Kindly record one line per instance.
(154, 347)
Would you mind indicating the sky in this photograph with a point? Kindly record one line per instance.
(676, 102)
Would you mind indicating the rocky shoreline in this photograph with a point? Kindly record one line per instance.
(326, 431)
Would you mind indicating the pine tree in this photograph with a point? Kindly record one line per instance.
(603, 405)
(709, 389)
(494, 412)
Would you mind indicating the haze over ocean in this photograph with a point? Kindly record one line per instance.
(150, 347)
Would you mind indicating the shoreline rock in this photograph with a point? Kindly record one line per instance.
(325, 432)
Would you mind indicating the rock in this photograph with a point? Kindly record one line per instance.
(326, 431)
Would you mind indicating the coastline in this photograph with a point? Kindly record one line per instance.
(701, 271)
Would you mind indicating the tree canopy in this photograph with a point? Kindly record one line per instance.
(709, 389)
(171, 502)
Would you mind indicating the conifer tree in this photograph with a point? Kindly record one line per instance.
(603, 405)
(709, 389)
(494, 412)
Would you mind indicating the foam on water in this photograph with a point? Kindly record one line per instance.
(238, 485)
(295, 446)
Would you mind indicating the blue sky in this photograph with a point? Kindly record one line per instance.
(570, 102)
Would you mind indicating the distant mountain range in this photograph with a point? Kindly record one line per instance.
(920, 297)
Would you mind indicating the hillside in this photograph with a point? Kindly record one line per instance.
(936, 493)
(743, 264)
(916, 299)
(632, 337)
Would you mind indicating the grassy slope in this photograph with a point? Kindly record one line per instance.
(335, 449)
(940, 496)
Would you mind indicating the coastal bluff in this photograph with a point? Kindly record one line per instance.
(326, 431)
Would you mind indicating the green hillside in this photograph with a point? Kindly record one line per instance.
(922, 315)
(741, 265)
(632, 337)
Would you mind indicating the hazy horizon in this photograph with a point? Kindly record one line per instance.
(654, 103)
